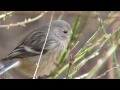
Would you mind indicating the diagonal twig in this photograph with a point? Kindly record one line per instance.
(43, 47)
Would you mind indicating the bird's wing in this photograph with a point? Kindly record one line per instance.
(30, 46)
(23, 51)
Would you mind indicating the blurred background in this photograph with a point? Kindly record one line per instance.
(89, 21)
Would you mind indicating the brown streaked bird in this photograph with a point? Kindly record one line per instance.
(28, 52)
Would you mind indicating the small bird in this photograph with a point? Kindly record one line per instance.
(28, 51)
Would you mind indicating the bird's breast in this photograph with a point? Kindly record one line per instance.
(47, 65)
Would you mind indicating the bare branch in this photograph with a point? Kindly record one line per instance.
(43, 47)
(24, 22)
(6, 14)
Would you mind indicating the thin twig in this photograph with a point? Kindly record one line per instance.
(81, 77)
(114, 54)
(95, 34)
(43, 47)
(5, 14)
(62, 14)
(106, 72)
(71, 60)
(75, 45)
(108, 53)
(24, 22)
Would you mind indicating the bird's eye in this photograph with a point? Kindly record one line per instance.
(65, 31)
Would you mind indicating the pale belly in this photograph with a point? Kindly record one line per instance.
(46, 66)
